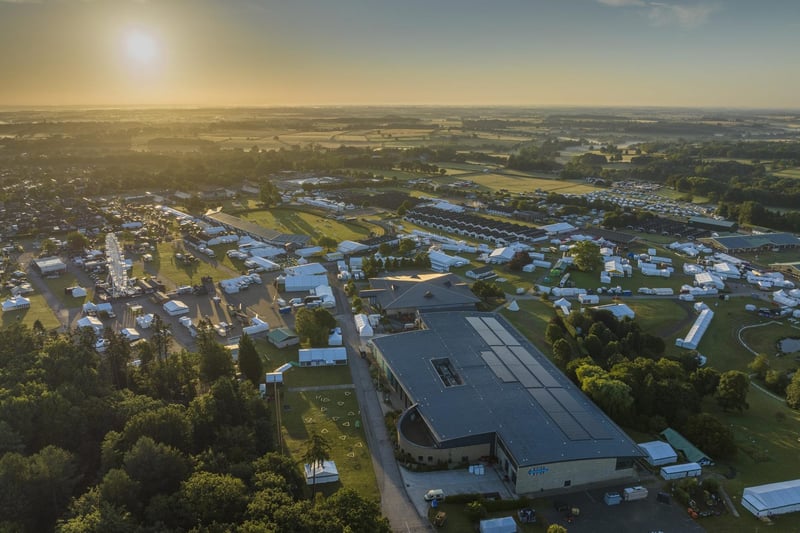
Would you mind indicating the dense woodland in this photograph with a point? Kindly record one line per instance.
(91, 443)
(624, 371)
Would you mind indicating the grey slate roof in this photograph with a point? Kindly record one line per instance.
(509, 388)
(423, 291)
(739, 242)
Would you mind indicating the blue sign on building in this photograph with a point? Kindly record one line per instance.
(538, 471)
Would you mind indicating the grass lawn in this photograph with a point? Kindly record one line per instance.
(273, 357)
(531, 320)
(659, 316)
(333, 414)
(768, 437)
(57, 286)
(515, 184)
(39, 310)
(304, 223)
(167, 269)
(764, 340)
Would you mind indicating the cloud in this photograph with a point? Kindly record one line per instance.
(661, 14)
(668, 14)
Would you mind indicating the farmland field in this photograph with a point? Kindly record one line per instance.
(788, 173)
(520, 184)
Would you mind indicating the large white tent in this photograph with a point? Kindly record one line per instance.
(16, 302)
(772, 499)
(658, 453)
(175, 308)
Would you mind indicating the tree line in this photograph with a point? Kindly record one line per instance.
(173, 442)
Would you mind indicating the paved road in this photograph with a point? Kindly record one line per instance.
(395, 503)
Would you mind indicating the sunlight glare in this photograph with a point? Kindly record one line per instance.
(141, 47)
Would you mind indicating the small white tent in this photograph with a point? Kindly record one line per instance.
(513, 306)
(363, 326)
(324, 472)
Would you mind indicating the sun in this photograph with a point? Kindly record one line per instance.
(141, 47)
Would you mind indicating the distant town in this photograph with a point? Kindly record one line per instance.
(448, 319)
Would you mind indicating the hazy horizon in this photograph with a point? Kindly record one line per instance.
(690, 54)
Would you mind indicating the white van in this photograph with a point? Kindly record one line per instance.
(434, 494)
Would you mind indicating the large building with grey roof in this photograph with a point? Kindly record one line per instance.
(755, 242)
(474, 387)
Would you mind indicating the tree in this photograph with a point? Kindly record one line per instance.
(215, 360)
(318, 450)
(519, 260)
(406, 246)
(759, 366)
(160, 337)
(326, 242)
(268, 193)
(249, 360)
(76, 241)
(586, 255)
(793, 392)
(712, 436)
(314, 325)
(214, 498)
(156, 467)
(776, 381)
(705, 380)
(354, 512)
(37, 488)
(553, 333)
(562, 352)
(732, 390)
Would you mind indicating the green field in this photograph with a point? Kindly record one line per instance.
(514, 184)
(335, 415)
(168, 269)
(39, 310)
(304, 223)
(788, 173)
(57, 286)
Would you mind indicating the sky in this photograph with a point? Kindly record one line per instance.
(684, 53)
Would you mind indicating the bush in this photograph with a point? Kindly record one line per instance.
(476, 510)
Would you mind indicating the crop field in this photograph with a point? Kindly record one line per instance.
(335, 415)
(789, 173)
(522, 183)
(39, 310)
(304, 223)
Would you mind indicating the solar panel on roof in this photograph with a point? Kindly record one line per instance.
(579, 412)
(523, 355)
(497, 367)
(571, 428)
(500, 331)
(590, 423)
(543, 375)
(484, 331)
(545, 400)
(524, 377)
